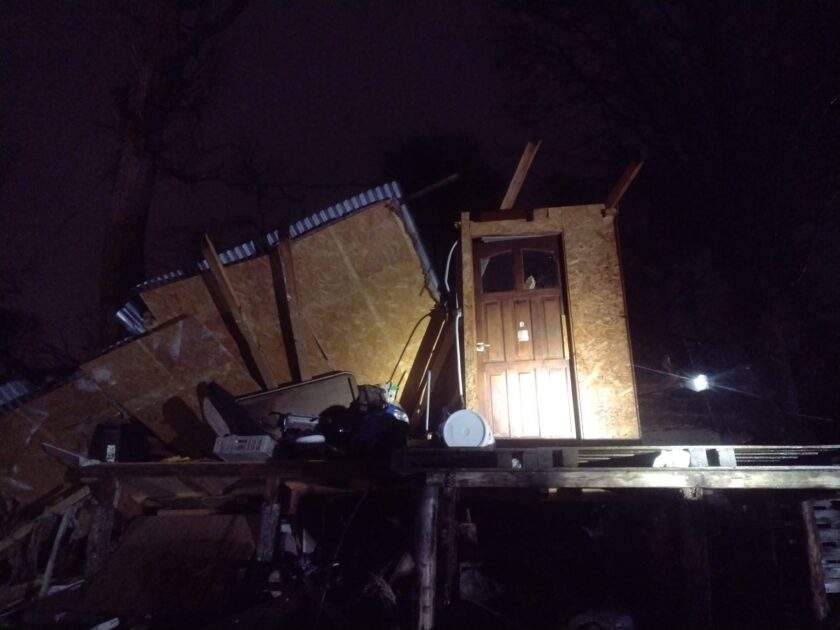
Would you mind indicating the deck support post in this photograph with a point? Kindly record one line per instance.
(426, 556)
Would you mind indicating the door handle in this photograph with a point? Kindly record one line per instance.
(480, 346)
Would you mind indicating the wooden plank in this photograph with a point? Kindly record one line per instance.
(296, 345)
(58, 508)
(519, 175)
(741, 478)
(217, 269)
(623, 184)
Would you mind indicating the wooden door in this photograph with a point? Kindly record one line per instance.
(524, 362)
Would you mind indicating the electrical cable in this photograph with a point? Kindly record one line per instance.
(405, 347)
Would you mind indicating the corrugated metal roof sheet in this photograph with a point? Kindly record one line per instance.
(131, 317)
(14, 390)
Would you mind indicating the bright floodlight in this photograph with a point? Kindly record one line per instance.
(699, 383)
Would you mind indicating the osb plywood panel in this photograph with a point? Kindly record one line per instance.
(254, 283)
(362, 289)
(190, 297)
(601, 349)
(603, 365)
(253, 287)
(156, 379)
(65, 417)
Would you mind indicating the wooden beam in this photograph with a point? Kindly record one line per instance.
(519, 175)
(288, 469)
(410, 396)
(741, 478)
(217, 269)
(296, 339)
(623, 184)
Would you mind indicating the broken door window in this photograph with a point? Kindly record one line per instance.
(497, 273)
(539, 269)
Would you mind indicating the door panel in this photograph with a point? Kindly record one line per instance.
(495, 331)
(524, 368)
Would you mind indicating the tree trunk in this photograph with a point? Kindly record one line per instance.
(122, 262)
(125, 234)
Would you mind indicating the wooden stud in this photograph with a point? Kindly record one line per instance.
(296, 349)
(519, 175)
(623, 184)
(468, 310)
(217, 269)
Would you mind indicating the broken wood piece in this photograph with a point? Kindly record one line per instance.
(101, 526)
(217, 269)
(519, 175)
(296, 341)
(623, 184)
(58, 508)
(269, 521)
(68, 516)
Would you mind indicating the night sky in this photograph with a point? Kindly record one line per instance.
(729, 236)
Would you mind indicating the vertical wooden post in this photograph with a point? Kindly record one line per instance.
(695, 554)
(101, 526)
(269, 521)
(449, 515)
(819, 598)
(426, 557)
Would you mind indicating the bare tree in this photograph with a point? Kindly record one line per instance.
(735, 108)
(176, 56)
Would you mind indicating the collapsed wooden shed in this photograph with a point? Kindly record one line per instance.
(346, 289)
